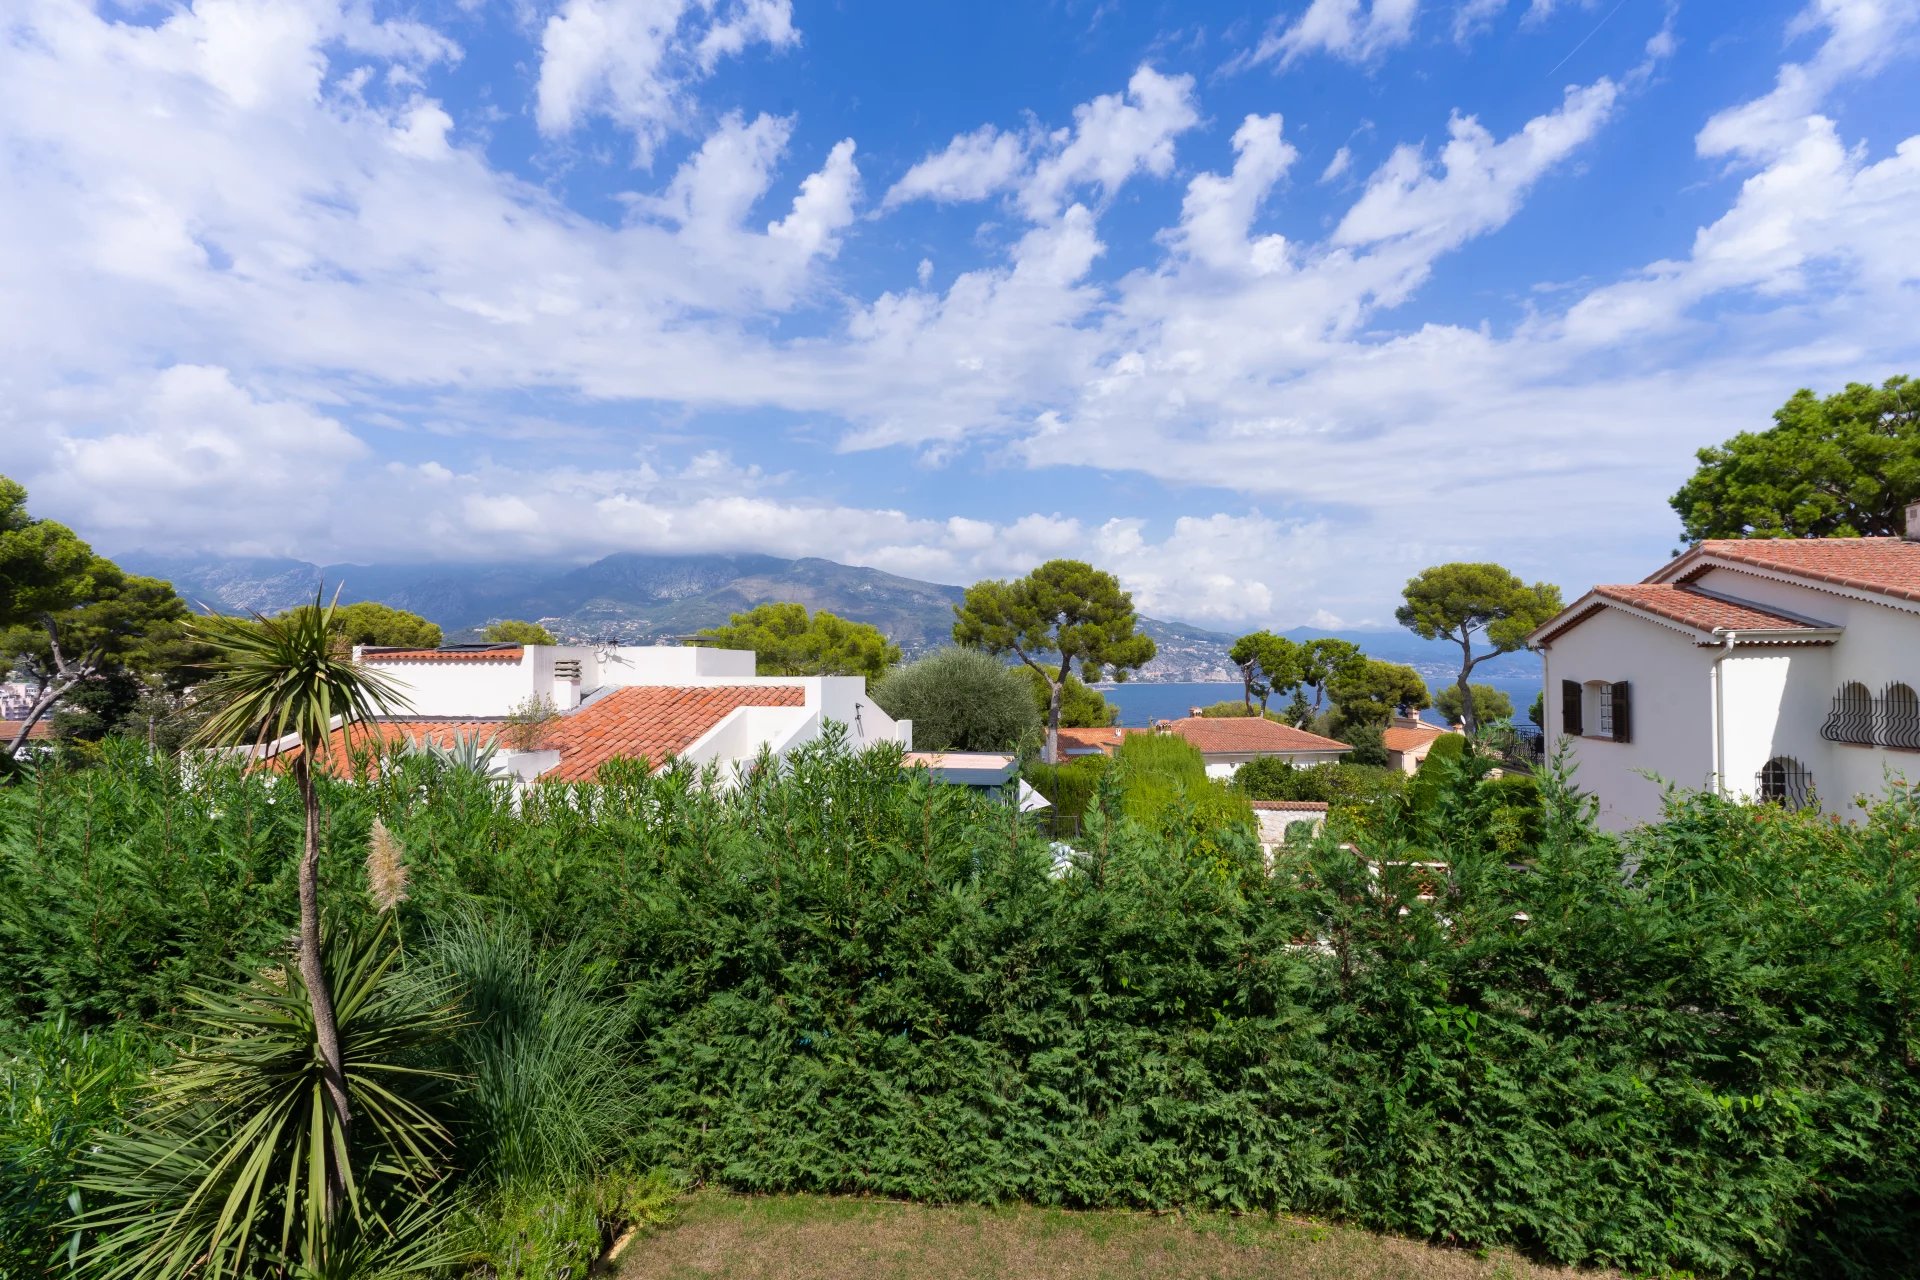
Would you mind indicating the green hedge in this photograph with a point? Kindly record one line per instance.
(843, 979)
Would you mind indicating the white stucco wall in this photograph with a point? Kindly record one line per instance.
(659, 664)
(1672, 713)
(1224, 764)
(461, 688)
(1777, 698)
(1880, 645)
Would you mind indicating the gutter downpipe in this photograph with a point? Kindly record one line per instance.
(1720, 711)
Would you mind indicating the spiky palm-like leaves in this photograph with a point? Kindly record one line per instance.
(287, 675)
(228, 1171)
(274, 677)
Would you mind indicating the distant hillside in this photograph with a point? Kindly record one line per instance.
(647, 598)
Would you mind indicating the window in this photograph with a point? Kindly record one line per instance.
(1785, 781)
(1898, 722)
(1605, 709)
(1851, 719)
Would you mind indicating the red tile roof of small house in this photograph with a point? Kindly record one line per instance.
(511, 654)
(651, 722)
(42, 728)
(1255, 735)
(1884, 566)
(656, 722)
(1406, 737)
(1290, 806)
(1104, 739)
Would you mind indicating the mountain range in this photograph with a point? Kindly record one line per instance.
(639, 598)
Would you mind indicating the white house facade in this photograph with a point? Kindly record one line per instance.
(1778, 669)
(591, 704)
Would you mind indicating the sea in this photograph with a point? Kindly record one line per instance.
(1142, 703)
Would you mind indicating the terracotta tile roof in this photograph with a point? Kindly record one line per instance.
(1885, 566)
(651, 722)
(441, 655)
(42, 728)
(1290, 806)
(1697, 609)
(1086, 740)
(656, 722)
(1235, 734)
(1409, 738)
(1689, 606)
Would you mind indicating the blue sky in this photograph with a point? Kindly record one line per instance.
(1264, 307)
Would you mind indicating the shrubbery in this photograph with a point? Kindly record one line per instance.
(1071, 786)
(1359, 797)
(841, 978)
(962, 700)
(1164, 787)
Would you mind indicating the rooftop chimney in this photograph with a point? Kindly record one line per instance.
(1913, 521)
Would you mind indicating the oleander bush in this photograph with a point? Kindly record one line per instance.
(844, 978)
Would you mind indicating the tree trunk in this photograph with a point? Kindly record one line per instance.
(1466, 704)
(1052, 753)
(313, 974)
(1466, 691)
(52, 687)
(40, 706)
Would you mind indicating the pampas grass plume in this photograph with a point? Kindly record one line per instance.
(386, 869)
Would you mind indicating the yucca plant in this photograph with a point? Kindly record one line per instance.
(229, 1169)
(271, 678)
(467, 751)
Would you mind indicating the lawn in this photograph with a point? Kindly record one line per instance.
(831, 1238)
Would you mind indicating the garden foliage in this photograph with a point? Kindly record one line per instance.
(843, 978)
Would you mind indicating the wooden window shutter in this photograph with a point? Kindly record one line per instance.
(1622, 711)
(1570, 708)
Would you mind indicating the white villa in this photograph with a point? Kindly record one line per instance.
(703, 706)
(1779, 669)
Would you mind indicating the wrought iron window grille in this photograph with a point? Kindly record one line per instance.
(1896, 719)
(1785, 781)
(1890, 720)
(1851, 719)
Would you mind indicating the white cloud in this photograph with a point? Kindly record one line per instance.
(1860, 36)
(1474, 16)
(634, 60)
(971, 167)
(127, 458)
(1219, 210)
(1480, 181)
(1113, 138)
(768, 22)
(1338, 166)
(824, 205)
(231, 265)
(1356, 30)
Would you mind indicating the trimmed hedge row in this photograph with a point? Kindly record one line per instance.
(846, 980)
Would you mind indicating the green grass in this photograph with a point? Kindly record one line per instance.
(798, 1237)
